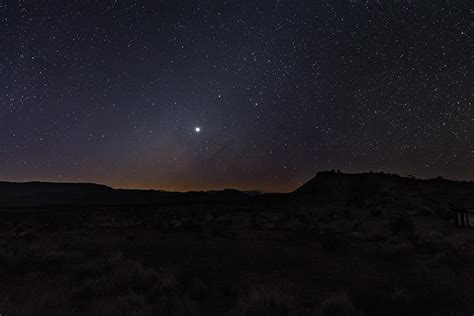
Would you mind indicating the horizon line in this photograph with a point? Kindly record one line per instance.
(210, 189)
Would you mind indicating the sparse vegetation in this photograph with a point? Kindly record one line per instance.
(339, 304)
(267, 256)
(264, 301)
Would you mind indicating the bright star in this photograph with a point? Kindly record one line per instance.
(197, 129)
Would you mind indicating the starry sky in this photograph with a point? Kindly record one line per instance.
(197, 95)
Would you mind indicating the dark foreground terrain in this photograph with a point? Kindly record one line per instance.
(367, 244)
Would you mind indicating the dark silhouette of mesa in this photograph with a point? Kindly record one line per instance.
(341, 244)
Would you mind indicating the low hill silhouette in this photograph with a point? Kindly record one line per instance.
(333, 187)
(326, 187)
(44, 194)
(32, 188)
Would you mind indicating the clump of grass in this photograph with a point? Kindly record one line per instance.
(455, 257)
(38, 294)
(432, 242)
(119, 276)
(125, 287)
(416, 299)
(332, 242)
(264, 301)
(339, 304)
(395, 252)
(401, 224)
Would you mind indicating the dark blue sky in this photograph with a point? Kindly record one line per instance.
(112, 91)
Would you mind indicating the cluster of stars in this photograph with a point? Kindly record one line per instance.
(253, 95)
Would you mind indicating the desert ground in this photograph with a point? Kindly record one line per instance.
(266, 255)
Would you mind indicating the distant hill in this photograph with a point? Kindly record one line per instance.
(39, 194)
(343, 187)
(326, 187)
(33, 188)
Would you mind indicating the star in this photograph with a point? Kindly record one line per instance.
(197, 129)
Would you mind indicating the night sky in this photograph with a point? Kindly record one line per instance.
(196, 95)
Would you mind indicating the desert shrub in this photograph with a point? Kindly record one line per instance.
(125, 287)
(37, 294)
(135, 304)
(423, 211)
(48, 263)
(328, 214)
(167, 285)
(455, 257)
(131, 304)
(120, 276)
(338, 305)
(401, 225)
(308, 232)
(197, 282)
(198, 289)
(432, 242)
(418, 299)
(357, 227)
(131, 236)
(87, 270)
(333, 242)
(377, 233)
(264, 301)
(376, 211)
(395, 252)
(175, 306)
(444, 212)
(394, 301)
